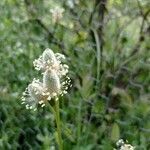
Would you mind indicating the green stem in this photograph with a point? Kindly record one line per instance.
(58, 123)
(55, 111)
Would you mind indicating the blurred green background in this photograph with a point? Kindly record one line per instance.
(106, 44)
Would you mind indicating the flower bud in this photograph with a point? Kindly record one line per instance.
(49, 56)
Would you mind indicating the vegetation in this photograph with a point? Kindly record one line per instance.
(106, 45)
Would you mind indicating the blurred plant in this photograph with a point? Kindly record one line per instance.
(71, 3)
(57, 14)
(55, 83)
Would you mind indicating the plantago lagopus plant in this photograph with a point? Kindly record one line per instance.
(55, 83)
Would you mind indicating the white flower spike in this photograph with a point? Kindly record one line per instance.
(55, 81)
(49, 60)
(34, 94)
(51, 82)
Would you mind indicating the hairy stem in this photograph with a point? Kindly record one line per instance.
(58, 123)
(55, 111)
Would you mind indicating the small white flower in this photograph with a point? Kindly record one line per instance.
(123, 146)
(60, 56)
(127, 147)
(57, 14)
(120, 142)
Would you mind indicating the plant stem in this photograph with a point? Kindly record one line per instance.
(58, 123)
(55, 111)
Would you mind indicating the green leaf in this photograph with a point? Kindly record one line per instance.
(68, 133)
(115, 132)
(56, 137)
(125, 97)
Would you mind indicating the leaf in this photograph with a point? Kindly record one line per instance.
(126, 98)
(86, 89)
(68, 133)
(115, 132)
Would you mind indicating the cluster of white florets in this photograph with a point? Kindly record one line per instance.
(124, 146)
(55, 81)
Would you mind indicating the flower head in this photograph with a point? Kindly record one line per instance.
(120, 142)
(124, 146)
(35, 93)
(55, 81)
(49, 60)
(57, 14)
(51, 81)
(127, 147)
